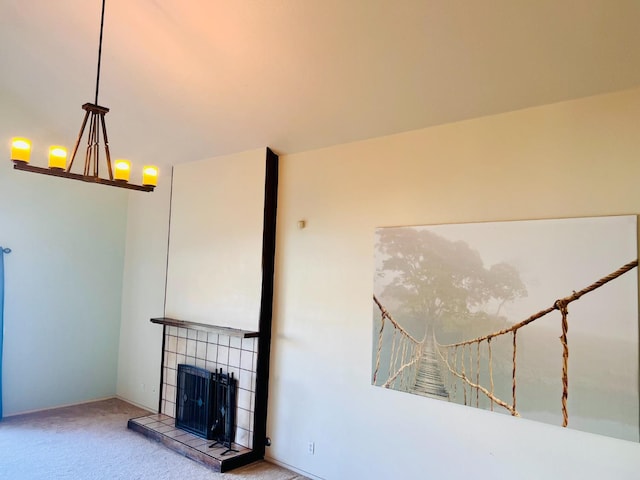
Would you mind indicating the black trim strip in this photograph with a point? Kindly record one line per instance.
(266, 303)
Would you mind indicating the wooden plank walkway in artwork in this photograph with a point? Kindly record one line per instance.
(429, 381)
(422, 364)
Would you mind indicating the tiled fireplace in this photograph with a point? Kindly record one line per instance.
(212, 351)
(245, 354)
(212, 348)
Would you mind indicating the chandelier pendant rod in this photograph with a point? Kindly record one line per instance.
(95, 124)
(99, 52)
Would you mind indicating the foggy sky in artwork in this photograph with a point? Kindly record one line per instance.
(555, 258)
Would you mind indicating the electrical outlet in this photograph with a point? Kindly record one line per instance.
(311, 448)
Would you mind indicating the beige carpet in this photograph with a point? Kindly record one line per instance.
(91, 441)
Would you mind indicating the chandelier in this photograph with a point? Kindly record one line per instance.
(97, 131)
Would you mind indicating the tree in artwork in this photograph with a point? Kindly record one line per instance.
(442, 284)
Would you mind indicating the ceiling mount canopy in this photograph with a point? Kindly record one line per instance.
(94, 117)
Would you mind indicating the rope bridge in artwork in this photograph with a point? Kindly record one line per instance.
(462, 360)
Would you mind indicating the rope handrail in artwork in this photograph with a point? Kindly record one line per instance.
(556, 306)
(562, 306)
(405, 353)
(477, 386)
(385, 313)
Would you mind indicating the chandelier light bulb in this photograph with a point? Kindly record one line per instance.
(57, 157)
(150, 175)
(123, 170)
(20, 149)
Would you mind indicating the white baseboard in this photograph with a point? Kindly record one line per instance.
(136, 404)
(26, 412)
(291, 467)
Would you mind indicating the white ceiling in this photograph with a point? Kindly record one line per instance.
(190, 79)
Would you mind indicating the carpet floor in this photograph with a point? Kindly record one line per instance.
(91, 441)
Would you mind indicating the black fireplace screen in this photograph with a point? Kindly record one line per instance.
(206, 403)
(195, 400)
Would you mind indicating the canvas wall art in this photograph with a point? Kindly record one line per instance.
(534, 319)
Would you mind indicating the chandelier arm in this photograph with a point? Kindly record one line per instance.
(90, 143)
(87, 153)
(106, 146)
(96, 149)
(99, 51)
(75, 149)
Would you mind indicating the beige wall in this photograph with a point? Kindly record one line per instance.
(144, 277)
(577, 158)
(214, 273)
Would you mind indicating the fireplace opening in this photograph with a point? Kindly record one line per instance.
(206, 404)
(195, 400)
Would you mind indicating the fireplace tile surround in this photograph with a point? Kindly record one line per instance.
(212, 351)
